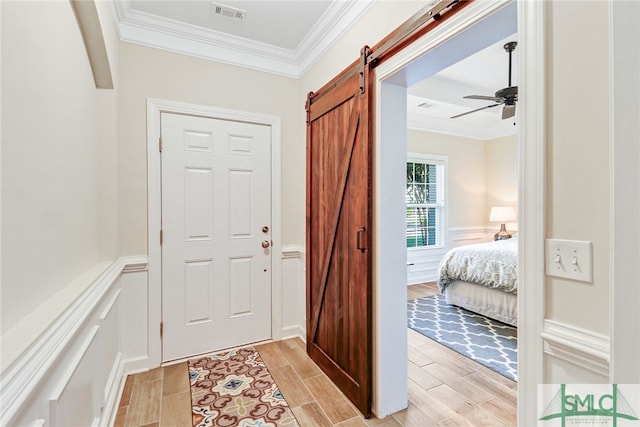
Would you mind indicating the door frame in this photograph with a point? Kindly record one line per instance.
(154, 210)
(390, 354)
(625, 200)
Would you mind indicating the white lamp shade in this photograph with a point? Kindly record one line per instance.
(502, 214)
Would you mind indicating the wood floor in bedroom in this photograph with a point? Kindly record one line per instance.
(445, 389)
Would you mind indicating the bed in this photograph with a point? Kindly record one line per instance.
(483, 278)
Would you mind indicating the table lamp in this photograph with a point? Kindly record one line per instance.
(502, 214)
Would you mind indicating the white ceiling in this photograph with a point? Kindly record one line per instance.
(441, 95)
(263, 21)
(287, 37)
(281, 37)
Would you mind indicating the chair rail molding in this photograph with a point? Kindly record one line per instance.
(577, 346)
(292, 251)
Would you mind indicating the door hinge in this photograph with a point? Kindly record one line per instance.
(161, 237)
(161, 329)
(160, 144)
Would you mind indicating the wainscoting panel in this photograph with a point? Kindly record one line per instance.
(469, 236)
(73, 372)
(134, 320)
(293, 292)
(110, 355)
(73, 401)
(422, 264)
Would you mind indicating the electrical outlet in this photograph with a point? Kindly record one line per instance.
(570, 259)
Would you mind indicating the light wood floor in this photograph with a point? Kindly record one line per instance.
(445, 389)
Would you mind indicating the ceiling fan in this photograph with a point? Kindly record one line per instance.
(507, 96)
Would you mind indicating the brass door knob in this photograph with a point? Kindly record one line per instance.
(266, 244)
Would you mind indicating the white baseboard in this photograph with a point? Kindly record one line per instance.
(122, 369)
(136, 364)
(582, 348)
(294, 332)
(416, 276)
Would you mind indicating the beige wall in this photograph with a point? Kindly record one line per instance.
(152, 73)
(501, 162)
(481, 174)
(379, 21)
(147, 72)
(52, 189)
(107, 168)
(466, 182)
(578, 199)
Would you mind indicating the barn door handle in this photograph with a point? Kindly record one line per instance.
(362, 239)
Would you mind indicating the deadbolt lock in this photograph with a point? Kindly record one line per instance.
(265, 229)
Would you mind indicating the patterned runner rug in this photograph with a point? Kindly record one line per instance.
(236, 389)
(487, 341)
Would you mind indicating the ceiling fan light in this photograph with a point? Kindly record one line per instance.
(508, 111)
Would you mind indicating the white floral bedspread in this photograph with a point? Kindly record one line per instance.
(493, 264)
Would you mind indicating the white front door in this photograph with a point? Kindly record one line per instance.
(216, 227)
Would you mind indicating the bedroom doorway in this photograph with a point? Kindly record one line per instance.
(462, 37)
(462, 285)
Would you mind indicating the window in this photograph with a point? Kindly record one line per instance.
(425, 201)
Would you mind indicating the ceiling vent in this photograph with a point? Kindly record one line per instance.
(426, 105)
(228, 11)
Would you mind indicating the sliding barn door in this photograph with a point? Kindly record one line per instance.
(339, 211)
(338, 233)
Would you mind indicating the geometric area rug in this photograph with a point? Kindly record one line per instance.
(489, 342)
(235, 388)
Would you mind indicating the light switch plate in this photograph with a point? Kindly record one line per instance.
(570, 259)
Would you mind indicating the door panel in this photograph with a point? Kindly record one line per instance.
(216, 197)
(198, 284)
(198, 202)
(338, 221)
(240, 301)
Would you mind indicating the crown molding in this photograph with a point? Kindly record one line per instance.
(337, 20)
(162, 33)
(445, 126)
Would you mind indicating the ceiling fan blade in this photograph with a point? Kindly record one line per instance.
(508, 111)
(473, 111)
(485, 98)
